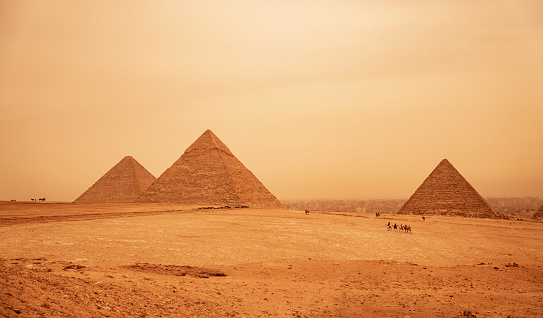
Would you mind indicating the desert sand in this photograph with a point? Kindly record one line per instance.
(167, 260)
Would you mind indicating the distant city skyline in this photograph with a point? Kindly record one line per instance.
(319, 99)
(501, 205)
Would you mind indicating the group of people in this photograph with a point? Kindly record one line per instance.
(402, 228)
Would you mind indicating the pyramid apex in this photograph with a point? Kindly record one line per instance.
(445, 164)
(210, 133)
(208, 140)
(128, 160)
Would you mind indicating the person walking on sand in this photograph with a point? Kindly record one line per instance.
(395, 227)
(388, 226)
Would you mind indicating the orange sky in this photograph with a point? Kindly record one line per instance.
(319, 99)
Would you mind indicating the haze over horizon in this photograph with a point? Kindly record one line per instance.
(319, 99)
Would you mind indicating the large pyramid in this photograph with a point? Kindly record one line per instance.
(538, 214)
(123, 183)
(446, 192)
(209, 174)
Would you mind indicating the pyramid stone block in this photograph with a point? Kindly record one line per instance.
(446, 192)
(209, 174)
(538, 214)
(123, 183)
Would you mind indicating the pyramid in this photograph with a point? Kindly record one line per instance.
(123, 183)
(209, 174)
(446, 192)
(538, 214)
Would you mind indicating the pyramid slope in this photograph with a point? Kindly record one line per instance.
(209, 174)
(123, 183)
(538, 214)
(445, 191)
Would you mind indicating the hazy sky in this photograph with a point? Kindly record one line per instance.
(319, 99)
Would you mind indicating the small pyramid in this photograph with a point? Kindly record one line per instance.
(121, 184)
(446, 192)
(538, 214)
(209, 174)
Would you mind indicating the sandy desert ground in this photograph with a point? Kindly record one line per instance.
(164, 260)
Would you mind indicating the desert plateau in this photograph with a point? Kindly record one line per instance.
(168, 260)
(271, 159)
